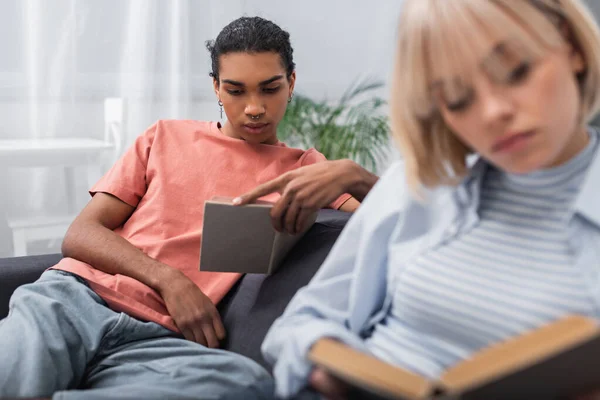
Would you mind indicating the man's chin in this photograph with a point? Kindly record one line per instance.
(260, 139)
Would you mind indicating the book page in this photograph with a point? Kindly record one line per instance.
(520, 352)
(229, 200)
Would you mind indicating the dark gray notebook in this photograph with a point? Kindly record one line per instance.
(242, 238)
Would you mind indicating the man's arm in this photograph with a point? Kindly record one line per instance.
(91, 239)
(349, 205)
(310, 188)
(360, 180)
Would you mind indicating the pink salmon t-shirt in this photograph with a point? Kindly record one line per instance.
(167, 175)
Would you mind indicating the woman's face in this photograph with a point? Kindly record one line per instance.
(521, 117)
(254, 90)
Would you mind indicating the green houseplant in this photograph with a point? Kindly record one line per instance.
(354, 127)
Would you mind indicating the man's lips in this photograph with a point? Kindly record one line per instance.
(255, 128)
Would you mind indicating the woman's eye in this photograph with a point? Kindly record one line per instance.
(520, 73)
(271, 89)
(459, 105)
(234, 92)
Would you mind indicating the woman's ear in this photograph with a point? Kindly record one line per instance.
(578, 64)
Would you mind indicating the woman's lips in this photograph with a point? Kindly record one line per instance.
(513, 142)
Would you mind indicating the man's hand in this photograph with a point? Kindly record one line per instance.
(193, 312)
(305, 191)
(329, 386)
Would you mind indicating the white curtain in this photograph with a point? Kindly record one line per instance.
(62, 58)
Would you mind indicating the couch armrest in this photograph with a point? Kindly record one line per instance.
(18, 271)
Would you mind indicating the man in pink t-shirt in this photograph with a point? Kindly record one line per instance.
(163, 182)
(126, 313)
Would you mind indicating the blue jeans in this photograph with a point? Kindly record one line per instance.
(60, 340)
(265, 389)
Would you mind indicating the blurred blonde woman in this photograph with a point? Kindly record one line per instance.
(490, 226)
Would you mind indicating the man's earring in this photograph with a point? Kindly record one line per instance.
(290, 98)
(220, 103)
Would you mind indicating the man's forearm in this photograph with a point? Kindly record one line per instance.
(106, 251)
(362, 181)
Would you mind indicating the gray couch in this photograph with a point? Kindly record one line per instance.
(249, 309)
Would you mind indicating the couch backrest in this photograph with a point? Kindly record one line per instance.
(257, 300)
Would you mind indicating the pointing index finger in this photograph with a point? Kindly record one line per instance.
(261, 190)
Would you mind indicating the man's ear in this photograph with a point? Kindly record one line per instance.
(216, 88)
(292, 80)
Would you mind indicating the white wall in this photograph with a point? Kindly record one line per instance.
(594, 6)
(335, 42)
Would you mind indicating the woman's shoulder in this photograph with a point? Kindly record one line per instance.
(392, 197)
(392, 191)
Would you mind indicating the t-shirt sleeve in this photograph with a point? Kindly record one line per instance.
(126, 179)
(312, 156)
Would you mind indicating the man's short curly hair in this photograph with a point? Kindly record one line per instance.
(251, 35)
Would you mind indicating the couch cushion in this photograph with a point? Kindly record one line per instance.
(257, 300)
(17, 271)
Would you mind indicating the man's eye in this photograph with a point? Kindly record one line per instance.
(234, 92)
(271, 89)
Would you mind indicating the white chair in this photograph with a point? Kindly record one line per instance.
(67, 153)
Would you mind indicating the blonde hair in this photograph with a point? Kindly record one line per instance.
(439, 39)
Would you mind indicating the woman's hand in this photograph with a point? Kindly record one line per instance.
(329, 386)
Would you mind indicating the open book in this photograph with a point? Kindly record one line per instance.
(242, 238)
(556, 361)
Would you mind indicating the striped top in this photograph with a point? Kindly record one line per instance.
(425, 284)
(513, 271)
